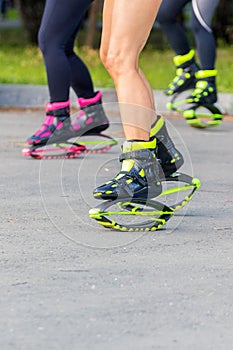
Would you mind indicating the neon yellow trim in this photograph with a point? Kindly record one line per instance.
(156, 127)
(106, 142)
(180, 59)
(135, 209)
(196, 182)
(135, 213)
(200, 74)
(192, 118)
(200, 85)
(176, 189)
(97, 194)
(189, 114)
(179, 71)
(95, 213)
(196, 123)
(129, 181)
(214, 123)
(113, 225)
(124, 204)
(160, 220)
(107, 224)
(142, 173)
(119, 176)
(169, 106)
(127, 165)
(129, 146)
(95, 216)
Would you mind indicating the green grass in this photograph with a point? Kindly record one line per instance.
(23, 64)
(12, 13)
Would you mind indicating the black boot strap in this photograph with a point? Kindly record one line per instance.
(61, 112)
(142, 154)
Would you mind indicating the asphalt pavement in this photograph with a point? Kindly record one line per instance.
(67, 283)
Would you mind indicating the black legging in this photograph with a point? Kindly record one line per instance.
(201, 16)
(59, 26)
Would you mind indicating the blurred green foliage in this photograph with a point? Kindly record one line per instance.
(22, 63)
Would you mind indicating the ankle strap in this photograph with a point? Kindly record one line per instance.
(142, 154)
(61, 112)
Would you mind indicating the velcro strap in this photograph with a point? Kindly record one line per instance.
(133, 175)
(142, 154)
(61, 112)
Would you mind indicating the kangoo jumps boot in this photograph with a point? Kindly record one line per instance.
(205, 91)
(91, 118)
(139, 175)
(185, 79)
(168, 155)
(56, 126)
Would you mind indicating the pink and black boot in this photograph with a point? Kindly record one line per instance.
(56, 126)
(91, 118)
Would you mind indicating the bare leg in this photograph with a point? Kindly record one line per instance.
(126, 27)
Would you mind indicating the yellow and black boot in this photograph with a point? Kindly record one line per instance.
(185, 79)
(139, 175)
(205, 92)
(168, 155)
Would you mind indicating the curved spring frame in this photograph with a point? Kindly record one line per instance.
(70, 150)
(195, 115)
(157, 212)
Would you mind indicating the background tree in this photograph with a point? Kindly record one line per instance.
(30, 12)
(94, 15)
(223, 21)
